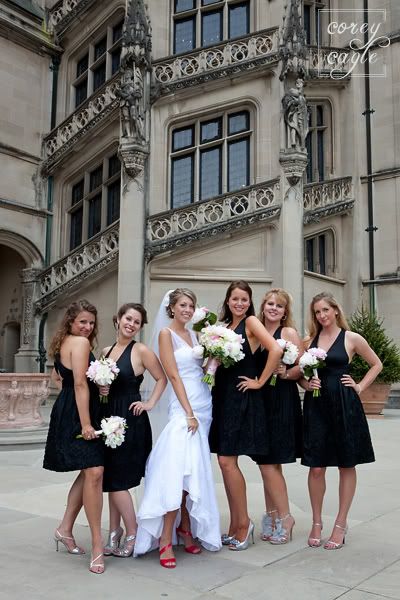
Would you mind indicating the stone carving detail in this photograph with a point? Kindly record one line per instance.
(21, 396)
(292, 40)
(29, 281)
(295, 113)
(64, 11)
(321, 61)
(88, 261)
(217, 61)
(327, 198)
(208, 217)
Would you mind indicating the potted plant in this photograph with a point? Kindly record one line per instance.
(370, 326)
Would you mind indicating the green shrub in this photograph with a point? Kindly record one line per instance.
(370, 326)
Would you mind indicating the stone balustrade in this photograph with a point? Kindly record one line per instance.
(208, 217)
(63, 13)
(86, 261)
(21, 398)
(247, 53)
(328, 62)
(326, 198)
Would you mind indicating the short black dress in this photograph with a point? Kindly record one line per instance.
(239, 424)
(336, 431)
(124, 466)
(63, 451)
(284, 418)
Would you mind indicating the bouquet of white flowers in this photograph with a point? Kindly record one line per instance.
(203, 317)
(290, 353)
(312, 359)
(103, 372)
(222, 346)
(112, 430)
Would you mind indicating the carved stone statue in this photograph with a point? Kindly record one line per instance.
(131, 103)
(12, 394)
(41, 394)
(295, 112)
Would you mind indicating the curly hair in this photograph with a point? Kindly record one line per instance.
(226, 314)
(69, 317)
(313, 326)
(130, 306)
(286, 299)
(174, 297)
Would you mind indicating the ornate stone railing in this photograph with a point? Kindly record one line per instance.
(328, 63)
(95, 109)
(21, 396)
(245, 54)
(65, 11)
(205, 219)
(89, 260)
(327, 198)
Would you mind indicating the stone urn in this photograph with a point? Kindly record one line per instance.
(375, 397)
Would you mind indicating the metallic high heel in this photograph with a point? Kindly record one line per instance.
(237, 546)
(226, 539)
(331, 545)
(113, 541)
(61, 538)
(127, 547)
(282, 534)
(267, 526)
(315, 542)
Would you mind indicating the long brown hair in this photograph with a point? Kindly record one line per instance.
(313, 326)
(285, 298)
(69, 317)
(226, 314)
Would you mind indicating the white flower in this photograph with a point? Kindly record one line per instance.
(198, 351)
(199, 314)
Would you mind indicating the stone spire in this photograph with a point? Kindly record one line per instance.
(292, 40)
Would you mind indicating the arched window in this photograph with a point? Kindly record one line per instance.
(320, 252)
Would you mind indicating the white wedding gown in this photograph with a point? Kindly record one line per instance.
(180, 461)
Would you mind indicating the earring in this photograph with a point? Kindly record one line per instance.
(172, 313)
(284, 318)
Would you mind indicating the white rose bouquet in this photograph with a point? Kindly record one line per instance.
(290, 353)
(310, 361)
(103, 372)
(203, 317)
(112, 430)
(222, 346)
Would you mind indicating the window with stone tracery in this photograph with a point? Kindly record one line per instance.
(318, 141)
(95, 200)
(96, 62)
(210, 156)
(319, 252)
(201, 23)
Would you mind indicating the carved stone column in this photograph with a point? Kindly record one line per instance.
(27, 355)
(293, 162)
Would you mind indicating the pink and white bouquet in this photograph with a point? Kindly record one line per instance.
(103, 372)
(203, 317)
(312, 359)
(222, 346)
(290, 353)
(112, 430)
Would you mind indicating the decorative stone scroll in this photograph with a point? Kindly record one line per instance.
(327, 198)
(21, 398)
(64, 12)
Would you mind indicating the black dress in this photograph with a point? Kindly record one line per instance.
(239, 420)
(124, 466)
(336, 431)
(284, 418)
(63, 451)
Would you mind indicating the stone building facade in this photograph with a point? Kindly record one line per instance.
(194, 142)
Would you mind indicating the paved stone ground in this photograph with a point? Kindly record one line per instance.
(367, 568)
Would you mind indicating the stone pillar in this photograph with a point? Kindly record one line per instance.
(132, 228)
(26, 359)
(293, 163)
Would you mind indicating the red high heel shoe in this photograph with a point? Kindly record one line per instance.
(167, 563)
(193, 549)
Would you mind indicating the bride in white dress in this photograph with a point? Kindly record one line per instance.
(179, 499)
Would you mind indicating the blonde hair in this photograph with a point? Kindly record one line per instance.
(313, 326)
(286, 299)
(174, 297)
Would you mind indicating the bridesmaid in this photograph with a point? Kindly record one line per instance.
(239, 420)
(336, 431)
(284, 420)
(76, 411)
(124, 466)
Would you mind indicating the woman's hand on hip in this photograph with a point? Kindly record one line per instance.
(248, 384)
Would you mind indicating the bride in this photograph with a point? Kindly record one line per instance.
(179, 487)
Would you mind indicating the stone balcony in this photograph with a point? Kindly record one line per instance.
(327, 198)
(90, 260)
(88, 115)
(203, 220)
(254, 52)
(62, 14)
(326, 62)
